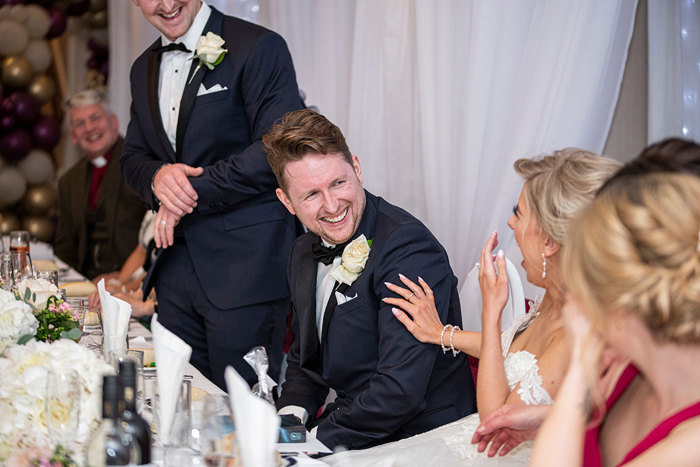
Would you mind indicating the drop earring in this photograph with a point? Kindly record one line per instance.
(544, 266)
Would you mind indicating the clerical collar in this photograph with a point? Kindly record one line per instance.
(99, 162)
(191, 37)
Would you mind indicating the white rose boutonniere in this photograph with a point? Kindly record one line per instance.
(353, 261)
(209, 50)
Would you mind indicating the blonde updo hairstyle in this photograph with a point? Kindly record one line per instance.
(557, 186)
(636, 248)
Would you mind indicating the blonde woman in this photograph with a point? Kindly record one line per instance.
(526, 364)
(633, 265)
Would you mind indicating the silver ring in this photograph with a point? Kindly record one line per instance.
(162, 222)
(477, 265)
(410, 296)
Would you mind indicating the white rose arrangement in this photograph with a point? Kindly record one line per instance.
(22, 392)
(352, 261)
(209, 51)
(16, 320)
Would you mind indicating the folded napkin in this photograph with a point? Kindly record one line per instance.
(257, 422)
(172, 355)
(115, 319)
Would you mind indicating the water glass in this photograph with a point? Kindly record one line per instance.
(6, 279)
(92, 330)
(218, 435)
(78, 306)
(62, 404)
(22, 267)
(51, 276)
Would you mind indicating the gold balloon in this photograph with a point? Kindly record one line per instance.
(8, 222)
(42, 88)
(96, 20)
(39, 200)
(39, 227)
(16, 71)
(98, 5)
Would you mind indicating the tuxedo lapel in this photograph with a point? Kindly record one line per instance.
(305, 304)
(154, 106)
(187, 103)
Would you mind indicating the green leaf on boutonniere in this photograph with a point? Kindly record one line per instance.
(218, 60)
(369, 242)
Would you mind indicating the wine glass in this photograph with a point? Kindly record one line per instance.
(6, 279)
(19, 240)
(22, 267)
(218, 434)
(62, 404)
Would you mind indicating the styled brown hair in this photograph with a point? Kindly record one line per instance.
(300, 133)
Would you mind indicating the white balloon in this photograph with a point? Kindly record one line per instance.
(37, 167)
(19, 12)
(13, 186)
(13, 37)
(38, 54)
(38, 21)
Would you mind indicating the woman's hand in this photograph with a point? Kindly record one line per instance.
(419, 303)
(494, 286)
(509, 426)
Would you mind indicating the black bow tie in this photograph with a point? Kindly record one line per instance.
(325, 254)
(171, 47)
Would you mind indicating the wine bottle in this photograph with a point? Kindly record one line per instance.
(109, 444)
(132, 423)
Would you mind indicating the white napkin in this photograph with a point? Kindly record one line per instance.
(115, 319)
(172, 355)
(257, 422)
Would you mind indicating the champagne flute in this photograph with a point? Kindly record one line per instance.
(6, 270)
(218, 436)
(62, 404)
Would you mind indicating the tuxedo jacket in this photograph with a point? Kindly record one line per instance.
(388, 384)
(239, 235)
(116, 203)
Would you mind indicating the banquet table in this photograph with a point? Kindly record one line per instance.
(140, 337)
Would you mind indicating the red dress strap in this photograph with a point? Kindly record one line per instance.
(591, 447)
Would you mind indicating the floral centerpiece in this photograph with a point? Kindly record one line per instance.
(22, 392)
(16, 320)
(56, 318)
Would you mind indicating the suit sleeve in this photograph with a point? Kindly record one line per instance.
(269, 91)
(66, 244)
(396, 393)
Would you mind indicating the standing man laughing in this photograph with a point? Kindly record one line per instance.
(202, 96)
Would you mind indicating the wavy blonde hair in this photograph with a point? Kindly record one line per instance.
(557, 186)
(636, 248)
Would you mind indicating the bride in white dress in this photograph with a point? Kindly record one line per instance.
(525, 364)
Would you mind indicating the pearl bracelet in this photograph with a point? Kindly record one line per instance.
(442, 335)
(455, 352)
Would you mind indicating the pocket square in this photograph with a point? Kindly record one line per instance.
(202, 91)
(340, 298)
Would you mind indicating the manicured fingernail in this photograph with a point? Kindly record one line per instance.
(388, 284)
(385, 299)
(501, 254)
(494, 232)
(402, 276)
(395, 311)
(420, 279)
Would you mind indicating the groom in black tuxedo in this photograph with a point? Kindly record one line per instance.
(388, 385)
(193, 152)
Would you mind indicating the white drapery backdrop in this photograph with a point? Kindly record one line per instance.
(674, 69)
(438, 99)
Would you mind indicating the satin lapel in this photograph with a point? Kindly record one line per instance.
(154, 106)
(187, 103)
(305, 305)
(366, 227)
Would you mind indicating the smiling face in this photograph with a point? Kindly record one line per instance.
(94, 129)
(326, 194)
(530, 239)
(173, 18)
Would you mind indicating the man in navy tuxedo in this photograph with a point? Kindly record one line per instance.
(388, 385)
(193, 152)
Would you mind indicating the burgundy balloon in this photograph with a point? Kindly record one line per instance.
(58, 23)
(15, 145)
(92, 63)
(7, 107)
(47, 133)
(26, 108)
(7, 122)
(104, 69)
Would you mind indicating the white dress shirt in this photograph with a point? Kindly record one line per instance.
(174, 67)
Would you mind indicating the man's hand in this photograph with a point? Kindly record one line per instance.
(164, 227)
(509, 426)
(174, 190)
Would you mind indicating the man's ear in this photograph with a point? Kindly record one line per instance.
(356, 166)
(282, 196)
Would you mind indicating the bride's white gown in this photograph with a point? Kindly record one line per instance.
(450, 444)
